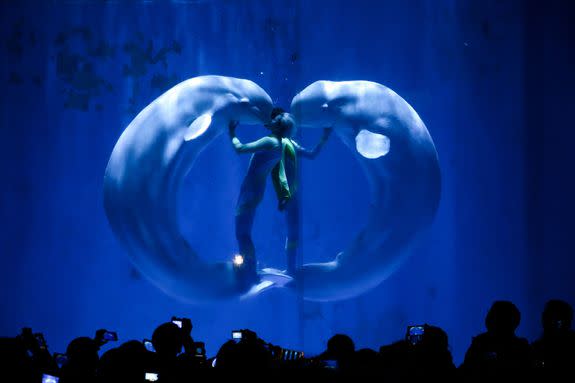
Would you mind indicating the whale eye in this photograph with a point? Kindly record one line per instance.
(371, 145)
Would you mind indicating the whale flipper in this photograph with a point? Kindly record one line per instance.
(198, 127)
(269, 278)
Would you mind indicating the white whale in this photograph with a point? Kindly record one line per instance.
(147, 166)
(399, 159)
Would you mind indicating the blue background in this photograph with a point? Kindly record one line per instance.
(492, 80)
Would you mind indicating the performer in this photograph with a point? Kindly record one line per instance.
(275, 154)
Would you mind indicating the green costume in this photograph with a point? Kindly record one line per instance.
(284, 174)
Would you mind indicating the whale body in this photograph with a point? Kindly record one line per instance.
(147, 167)
(400, 161)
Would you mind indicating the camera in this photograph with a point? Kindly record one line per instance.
(199, 349)
(330, 363)
(49, 378)
(237, 335)
(40, 340)
(149, 346)
(177, 322)
(151, 377)
(415, 334)
(110, 336)
(60, 359)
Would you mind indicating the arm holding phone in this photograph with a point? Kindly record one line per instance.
(187, 340)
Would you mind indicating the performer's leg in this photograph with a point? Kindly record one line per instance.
(244, 223)
(251, 194)
(292, 240)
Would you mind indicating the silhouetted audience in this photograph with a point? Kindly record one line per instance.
(498, 353)
(340, 350)
(554, 351)
(248, 353)
(127, 363)
(422, 355)
(83, 361)
(366, 362)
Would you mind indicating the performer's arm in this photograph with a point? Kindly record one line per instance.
(315, 151)
(265, 143)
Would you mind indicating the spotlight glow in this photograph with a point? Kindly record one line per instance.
(238, 260)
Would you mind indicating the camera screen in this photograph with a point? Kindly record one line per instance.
(40, 340)
(151, 377)
(331, 363)
(177, 323)
(61, 359)
(149, 345)
(415, 334)
(49, 379)
(236, 335)
(110, 335)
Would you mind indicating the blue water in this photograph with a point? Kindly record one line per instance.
(490, 79)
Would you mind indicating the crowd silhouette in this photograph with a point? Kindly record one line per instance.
(422, 354)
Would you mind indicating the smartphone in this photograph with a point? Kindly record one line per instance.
(330, 363)
(110, 336)
(199, 348)
(415, 334)
(237, 335)
(60, 359)
(40, 339)
(49, 378)
(151, 377)
(177, 322)
(149, 345)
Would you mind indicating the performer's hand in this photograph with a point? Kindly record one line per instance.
(232, 127)
(326, 133)
(282, 204)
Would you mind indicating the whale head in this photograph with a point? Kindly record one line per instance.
(250, 103)
(320, 104)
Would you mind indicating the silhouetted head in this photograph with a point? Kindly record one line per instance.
(244, 355)
(436, 344)
(282, 124)
(133, 346)
(340, 347)
(557, 316)
(277, 111)
(167, 340)
(503, 318)
(83, 352)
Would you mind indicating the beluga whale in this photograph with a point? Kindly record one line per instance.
(399, 159)
(146, 169)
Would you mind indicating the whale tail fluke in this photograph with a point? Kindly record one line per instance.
(269, 278)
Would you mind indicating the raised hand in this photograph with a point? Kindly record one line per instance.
(232, 127)
(326, 133)
(187, 326)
